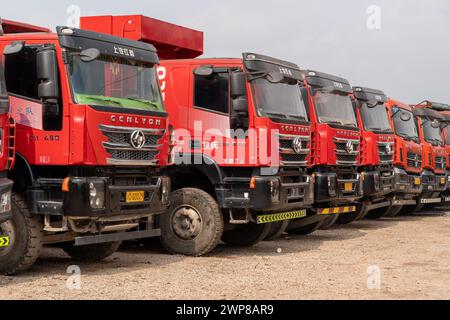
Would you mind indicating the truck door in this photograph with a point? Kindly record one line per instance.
(209, 120)
(39, 122)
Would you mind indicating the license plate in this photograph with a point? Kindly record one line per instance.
(276, 217)
(135, 196)
(417, 181)
(442, 180)
(348, 187)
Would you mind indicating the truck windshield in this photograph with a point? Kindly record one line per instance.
(432, 135)
(335, 109)
(405, 125)
(115, 82)
(280, 100)
(375, 118)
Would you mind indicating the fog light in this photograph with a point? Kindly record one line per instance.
(332, 186)
(5, 202)
(165, 190)
(275, 190)
(97, 195)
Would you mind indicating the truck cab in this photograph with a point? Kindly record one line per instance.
(434, 177)
(336, 146)
(407, 159)
(444, 110)
(91, 139)
(377, 145)
(6, 161)
(242, 136)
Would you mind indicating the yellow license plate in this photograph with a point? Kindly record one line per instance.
(417, 181)
(348, 187)
(442, 180)
(135, 196)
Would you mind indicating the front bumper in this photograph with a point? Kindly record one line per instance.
(377, 184)
(407, 184)
(77, 202)
(331, 189)
(268, 193)
(5, 199)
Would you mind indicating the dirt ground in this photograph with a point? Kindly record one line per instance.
(411, 253)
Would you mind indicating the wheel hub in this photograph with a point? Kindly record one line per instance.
(7, 230)
(187, 222)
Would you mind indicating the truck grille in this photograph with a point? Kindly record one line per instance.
(288, 156)
(386, 153)
(344, 156)
(414, 160)
(119, 145)
(440, 163)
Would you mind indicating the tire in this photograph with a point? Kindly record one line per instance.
(393, 211)
(277, 229)
(246, 236)
(194, 224)
(328, 222)
(378, 213)
(26, 233)
(306, 230)
(347, 218)
(92, 252)
(409, 210)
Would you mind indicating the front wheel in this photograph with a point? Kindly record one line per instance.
(393, 211)
(329, 222)
(305, 230)
(21, 238)
(194, 224)
(276, 230)
(247, 235)
(378, 213)
(92, 252)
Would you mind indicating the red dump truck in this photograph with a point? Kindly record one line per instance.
(243, 140)
(6, 162)
(91, 139)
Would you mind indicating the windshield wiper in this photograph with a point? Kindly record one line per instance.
(297, 117)
(104, 100)
(144, 101)
(276, 114)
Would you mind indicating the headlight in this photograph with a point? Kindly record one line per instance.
(332, 183)
(5, 202)
(97, 194)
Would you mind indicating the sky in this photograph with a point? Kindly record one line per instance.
(399, 46)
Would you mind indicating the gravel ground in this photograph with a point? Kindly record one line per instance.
(412, 254)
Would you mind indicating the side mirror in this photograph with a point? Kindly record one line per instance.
(275, 77)
(435, 124)
(89, 55)
(372, 104)
(14, 48)
(238, 84)
(240, 105)
(405, 116)
(204, 71)
(47, 73)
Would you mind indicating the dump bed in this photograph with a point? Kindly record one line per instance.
(171, 41)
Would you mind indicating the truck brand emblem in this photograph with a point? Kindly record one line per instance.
(138, 139)
(388, 148)
(349, 147)
(297, 145)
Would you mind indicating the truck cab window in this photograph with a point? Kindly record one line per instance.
(20, 73)
(212, 92)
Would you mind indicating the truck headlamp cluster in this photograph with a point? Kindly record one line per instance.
(97, 194)
(5, 202)
(332, 183)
